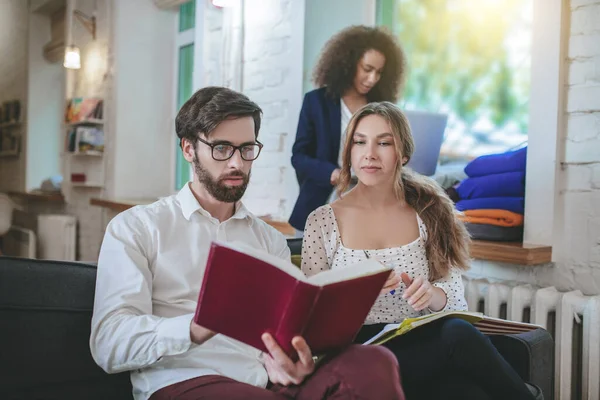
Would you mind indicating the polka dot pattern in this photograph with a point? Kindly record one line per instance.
(323, 249)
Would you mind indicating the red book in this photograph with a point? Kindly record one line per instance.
(246, 293)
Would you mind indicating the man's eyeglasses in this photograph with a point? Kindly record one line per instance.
(224, 151)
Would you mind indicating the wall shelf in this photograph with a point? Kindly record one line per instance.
(120, 204)
(90, 185)
(38, 195)
(91, 121)
(84, 153)
(10, 138)
(511, 252)
(9, 124)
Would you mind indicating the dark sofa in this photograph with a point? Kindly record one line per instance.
(45, 314)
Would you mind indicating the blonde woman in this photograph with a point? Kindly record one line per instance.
(406, 221)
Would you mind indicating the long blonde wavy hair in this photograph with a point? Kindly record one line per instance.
(448, 241)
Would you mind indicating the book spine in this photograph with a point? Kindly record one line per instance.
(296, 316)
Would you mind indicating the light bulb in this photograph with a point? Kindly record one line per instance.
(72, 57)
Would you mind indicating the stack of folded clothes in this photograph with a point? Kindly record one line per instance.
(492, 198)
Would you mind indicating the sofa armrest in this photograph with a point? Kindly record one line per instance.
(531, 354)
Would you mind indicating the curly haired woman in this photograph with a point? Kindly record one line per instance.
(358, 65)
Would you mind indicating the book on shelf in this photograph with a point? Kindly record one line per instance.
(246, 292)
(487, 325)
(82, 109)
(85, 139)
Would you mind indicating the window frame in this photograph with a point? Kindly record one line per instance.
(192, 36)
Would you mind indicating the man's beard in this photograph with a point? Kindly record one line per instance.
(216, 187)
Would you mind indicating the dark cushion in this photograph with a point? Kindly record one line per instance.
(46, 312)
(295, 246)
(531, 354)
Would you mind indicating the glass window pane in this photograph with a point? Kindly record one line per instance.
(470, 60)
(185, 75)
(385, 13)
(184, 92)
(187, 16)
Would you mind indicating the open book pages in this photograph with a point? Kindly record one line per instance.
(486, 325)
(393, 330)
(497, 326)
(364, 268)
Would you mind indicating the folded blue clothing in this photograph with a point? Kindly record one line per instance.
(514, 204)
(507, 184)
(498, 163)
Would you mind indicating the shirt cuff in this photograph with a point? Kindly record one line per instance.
(442, 286)
(173, 334)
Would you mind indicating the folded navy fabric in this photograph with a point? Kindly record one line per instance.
(510, 161)
(507, 184)
(514, 204)
(495, 233)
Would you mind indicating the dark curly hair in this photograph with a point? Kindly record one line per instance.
(339, 58)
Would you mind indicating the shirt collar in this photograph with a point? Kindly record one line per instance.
(190, 205)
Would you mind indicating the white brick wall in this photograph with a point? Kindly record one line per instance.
(584, 18)
(269, 80)
(576, 4)
(13, 82)
(271, 77)
(577, 219)
(213, 31)
(584, 70)
(581, 164)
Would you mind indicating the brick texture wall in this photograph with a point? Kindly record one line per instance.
(271, 56)
(579, 247)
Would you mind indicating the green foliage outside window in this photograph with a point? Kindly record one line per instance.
(467, 58)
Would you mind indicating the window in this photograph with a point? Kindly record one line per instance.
(470, 60)
(184, 79)
(548, 68)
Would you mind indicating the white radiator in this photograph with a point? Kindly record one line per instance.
(57, 237)
(19, 242)
(577, 359)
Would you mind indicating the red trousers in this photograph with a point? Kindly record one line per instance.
(359, 372)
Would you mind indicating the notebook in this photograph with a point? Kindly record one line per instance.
(487, 325)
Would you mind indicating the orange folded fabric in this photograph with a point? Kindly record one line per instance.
(492, 217)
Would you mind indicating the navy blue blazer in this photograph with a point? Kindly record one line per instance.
(315, 152)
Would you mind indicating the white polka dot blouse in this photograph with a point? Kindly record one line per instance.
(323, 249)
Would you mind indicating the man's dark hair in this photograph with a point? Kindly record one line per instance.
(210, 106)
(339, 58)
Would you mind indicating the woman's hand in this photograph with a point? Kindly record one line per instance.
(421, 294)
(280, 368)
(335, 176)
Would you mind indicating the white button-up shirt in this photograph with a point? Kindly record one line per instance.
(150, 271)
